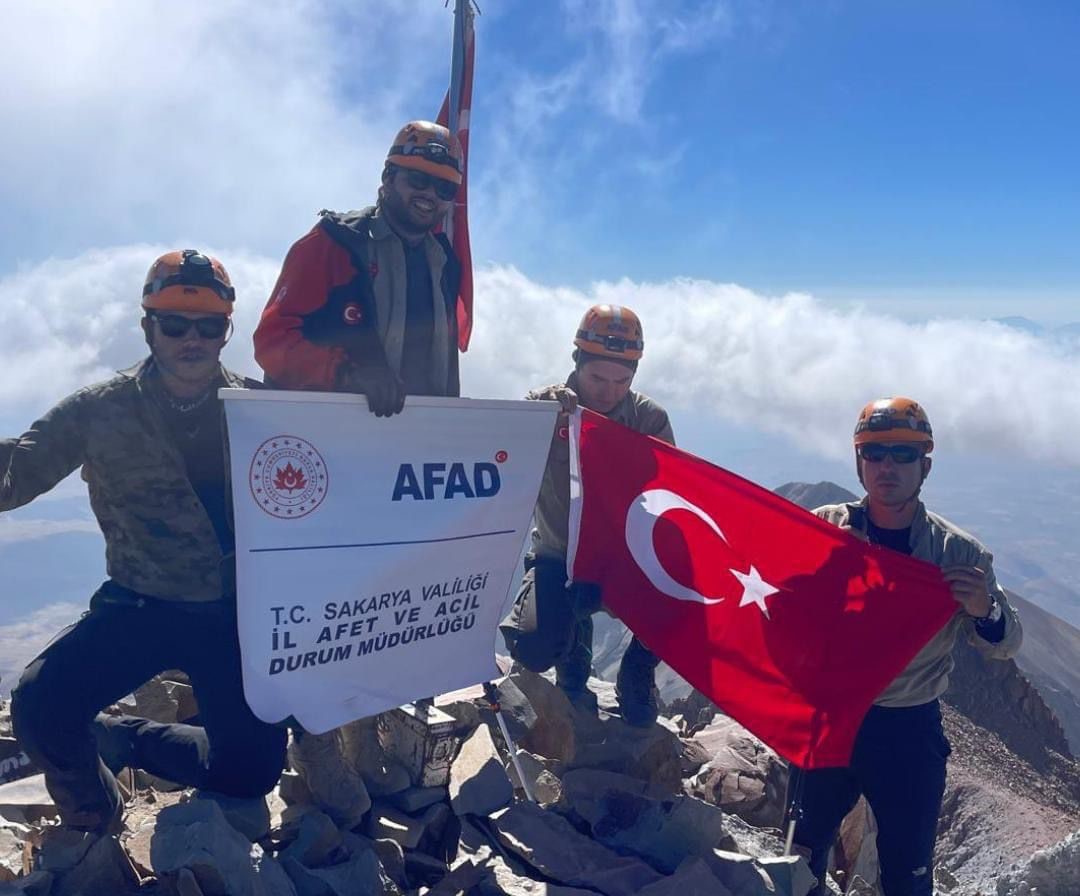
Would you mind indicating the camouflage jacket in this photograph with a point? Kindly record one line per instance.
(159, 539)
(938, 541)
(637, 411)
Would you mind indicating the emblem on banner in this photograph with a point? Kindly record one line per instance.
(288, 477)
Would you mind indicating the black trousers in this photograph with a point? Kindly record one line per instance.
(544, 627)
(899, 764)
(120, 643)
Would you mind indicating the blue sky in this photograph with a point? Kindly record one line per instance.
(815, 146)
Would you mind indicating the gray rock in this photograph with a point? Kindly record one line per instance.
(533, 766)
(791, 875)
(517, 711)
(478, 782)
(361, 875)
(153, 701)
(739, 873)
(11, 854)
(754, 842)
(390, 854)
(547, 789)
(743, 776)
(623, 817)
(62, 849)
(195, 835)
(540, 717)
(467, 877)
(388, 823)
(416, 798)
(26, 800)
(546, 841)
(856, 852)
(693, 878)
(251, 817)
(163, 698)
(1049, 871)
(503, 881)
(859, 886)
(324, 762)
(39, 883)
(654, 755)
(422, 870)
(466, 713)
(316, 842)
(292, 789)
(137, 846)
(392, 858)
(102, 868)
(434, 819)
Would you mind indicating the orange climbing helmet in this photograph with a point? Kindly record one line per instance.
(611, 331)
(426, 146)
(894, 420)
(187, 280)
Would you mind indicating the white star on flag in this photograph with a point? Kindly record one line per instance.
(755, 589)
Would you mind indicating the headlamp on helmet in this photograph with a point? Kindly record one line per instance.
(894, 420)
(188, 280)
(610, 331)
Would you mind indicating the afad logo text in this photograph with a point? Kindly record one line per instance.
(446, 480)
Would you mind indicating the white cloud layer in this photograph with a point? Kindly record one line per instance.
(233, 120)
(790, 364)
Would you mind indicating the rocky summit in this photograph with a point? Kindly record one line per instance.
(691, 806)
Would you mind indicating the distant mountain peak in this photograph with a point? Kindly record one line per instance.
(817, 494)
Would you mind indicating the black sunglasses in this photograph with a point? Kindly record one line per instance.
(175, 326)
(421, 180)
(901, 454)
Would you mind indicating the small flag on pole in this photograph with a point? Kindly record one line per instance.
(455, 114)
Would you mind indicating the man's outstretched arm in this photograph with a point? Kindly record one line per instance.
(45, 454)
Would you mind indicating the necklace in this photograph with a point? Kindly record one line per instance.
(186, 407)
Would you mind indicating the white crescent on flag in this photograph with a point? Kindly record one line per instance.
(641, 518)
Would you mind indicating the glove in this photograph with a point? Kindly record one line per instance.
(585, 598)
(384, 389)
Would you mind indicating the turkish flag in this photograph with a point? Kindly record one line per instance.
(788, 623)
(456, 114)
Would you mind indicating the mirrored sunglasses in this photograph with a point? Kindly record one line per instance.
(901, 454)
(421, 180)
(176, 326)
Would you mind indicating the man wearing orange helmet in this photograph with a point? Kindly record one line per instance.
(366, 301)
(151, 448)
(899, 758)
(551, 621)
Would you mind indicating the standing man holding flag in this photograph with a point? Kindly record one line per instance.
(901, 750)
(379, 301)
(366, 301)
(551, 622)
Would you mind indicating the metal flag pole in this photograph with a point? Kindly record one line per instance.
(492, 697)
(794, 805)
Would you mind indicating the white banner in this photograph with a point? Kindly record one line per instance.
(372, 554)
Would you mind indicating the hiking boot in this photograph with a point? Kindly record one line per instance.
(572, 671)
(635, 687)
